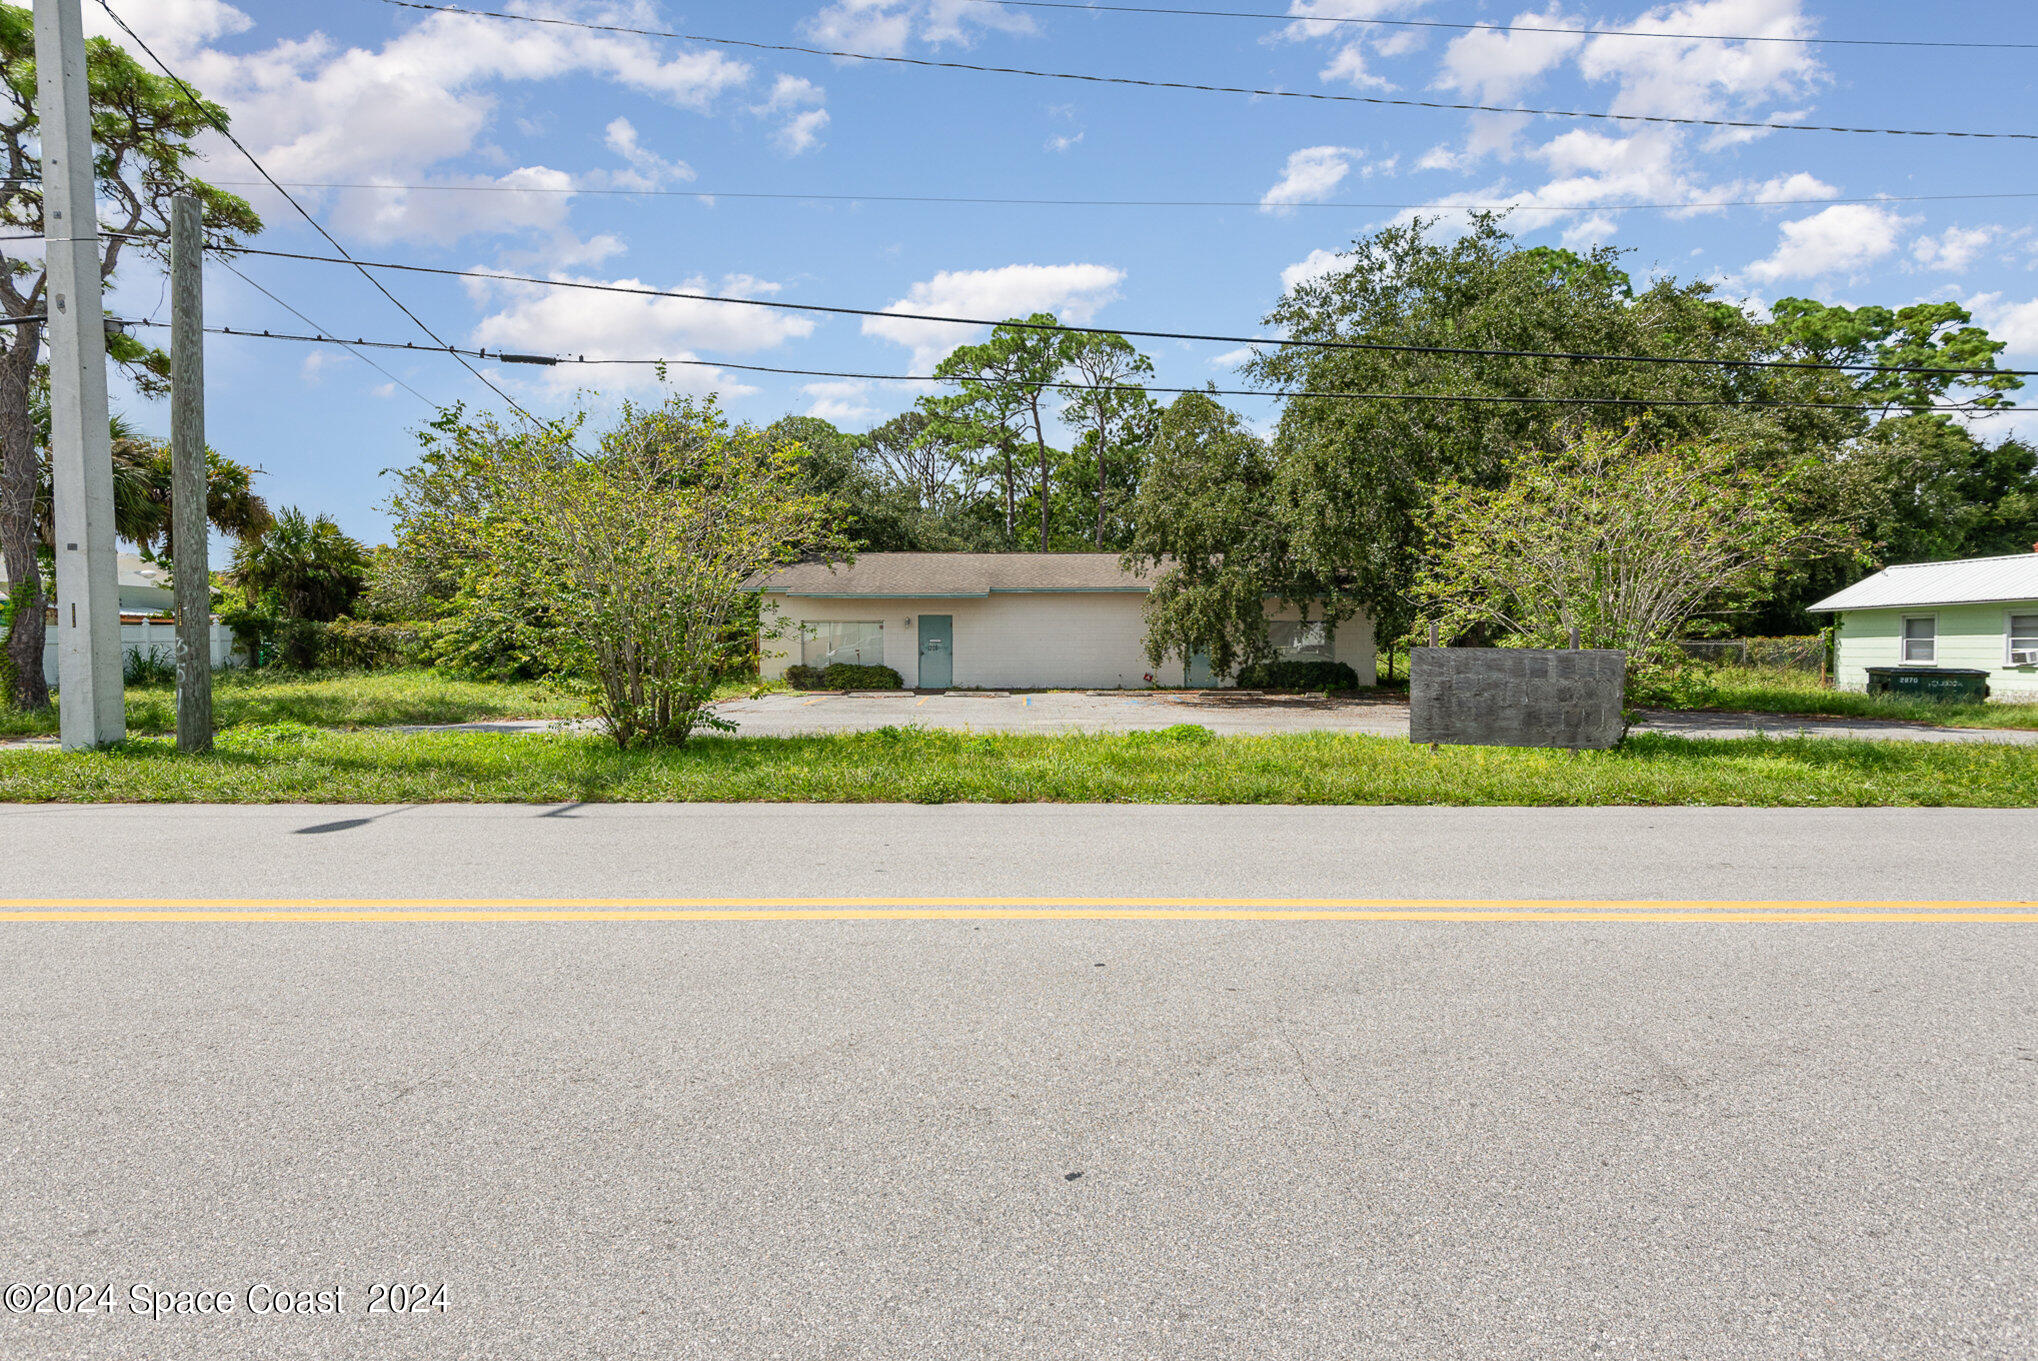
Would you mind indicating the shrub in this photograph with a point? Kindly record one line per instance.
(1298, 676)
(850, 676)
(149, 666)
(298, 644)
(359, 645)
(803, 677)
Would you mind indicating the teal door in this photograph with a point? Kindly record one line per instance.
(1197, 674)
(937, 651)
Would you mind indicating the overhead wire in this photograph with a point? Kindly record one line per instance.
(1315, 95)
(511, 357)
(1069, 328)
(327, 334)
(1285, 19)
(191, 97)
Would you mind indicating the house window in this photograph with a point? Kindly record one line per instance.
(1921, 638)
(2023, 631)
(837, 640)
(1295, 640)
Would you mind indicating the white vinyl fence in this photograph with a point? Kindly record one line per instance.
(149, 635)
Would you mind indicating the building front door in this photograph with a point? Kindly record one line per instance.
(937, 651)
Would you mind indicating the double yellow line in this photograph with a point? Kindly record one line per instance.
(418, 911)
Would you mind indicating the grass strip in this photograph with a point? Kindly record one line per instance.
(292, 763)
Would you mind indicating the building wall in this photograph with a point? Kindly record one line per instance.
(1973, 636)
(1026, 640)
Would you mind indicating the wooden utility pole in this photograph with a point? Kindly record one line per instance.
(190, 559)
(81, 454)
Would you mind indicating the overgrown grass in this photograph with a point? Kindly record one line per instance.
(1774, 690)
(363, 699)
(289, 763)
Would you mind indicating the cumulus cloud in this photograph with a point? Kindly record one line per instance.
(888, 27)
(647, 169)
(1350, 42)
(1495, 66)
(1074, 292)
(1835, 242)
(1311, 175)
(844, 402)
(796, 101)
(1702, 78)
(1953, 249)
(317, 110)
(1309, 268)
(2013, 323)
(536, 319)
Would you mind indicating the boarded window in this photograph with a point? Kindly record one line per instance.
(2023, 639)
(836, 640)
(1921, 639)
(1297, 641)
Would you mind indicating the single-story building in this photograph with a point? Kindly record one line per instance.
(1028, 621)
(144, 585)
(1981, 613)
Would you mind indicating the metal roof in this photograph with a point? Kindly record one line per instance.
(915, 575)
(1974, 581)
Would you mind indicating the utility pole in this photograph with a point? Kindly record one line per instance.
(190, 560)
(81, 456)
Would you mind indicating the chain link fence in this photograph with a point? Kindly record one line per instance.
(1806, 653)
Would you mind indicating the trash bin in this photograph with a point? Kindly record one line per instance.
(1945, 684)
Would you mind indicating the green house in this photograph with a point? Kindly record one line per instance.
(1979, 614)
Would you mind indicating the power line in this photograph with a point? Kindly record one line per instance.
(1381, 101)
(1494, 28)
(1134, 202)
(508, 357)
(191, 97)
(436, 406)
(1067, 328)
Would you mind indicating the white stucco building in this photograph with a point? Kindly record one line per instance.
(1024, 621)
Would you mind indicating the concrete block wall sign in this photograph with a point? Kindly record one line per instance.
(1516, 696)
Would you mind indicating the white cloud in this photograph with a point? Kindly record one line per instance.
(1953, 249)
(798, 100)
(2013, 323)
(316, 110)
(313, 370)
(1310, 268)
(844, 402)
(1074, 292)
(1702, 78)
(1494, 66)
(1347, 62)
(647, 169)
(1310, 176)
(1060, 142)
(536, 319)
(1835, 242)
(888, 27)
(1231, 359)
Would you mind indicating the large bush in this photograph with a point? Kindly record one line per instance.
(844, 676)
(1297, 676)
(624, 566)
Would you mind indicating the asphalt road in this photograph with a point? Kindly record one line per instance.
(960, 1137)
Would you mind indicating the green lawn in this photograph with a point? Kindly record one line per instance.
(1765, 690)
(289, 763)
(335, 700)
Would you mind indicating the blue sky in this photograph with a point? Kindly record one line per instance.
(358, 92)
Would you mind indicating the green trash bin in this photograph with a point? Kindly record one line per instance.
(1943, 684)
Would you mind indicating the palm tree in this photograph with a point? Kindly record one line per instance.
(312, 569)
(141, 491)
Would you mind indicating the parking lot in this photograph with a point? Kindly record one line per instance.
(1222, 711)
(1232, 712)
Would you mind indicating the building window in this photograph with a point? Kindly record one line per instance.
(836, 640)
(1921, 638)
(2023, 631)
(1297, 641)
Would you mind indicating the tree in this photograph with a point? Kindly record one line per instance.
(1002, 384)
(1929, 335)
(307, 566)
(640, 553)
(923, 456)
(1113, 413)
(1354, 477)
(1206, 533)
(1625, 541)
(142, 131)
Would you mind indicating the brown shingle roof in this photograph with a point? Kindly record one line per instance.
(954, 574)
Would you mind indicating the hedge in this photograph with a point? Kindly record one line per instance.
(1298, 676)
(844, 676)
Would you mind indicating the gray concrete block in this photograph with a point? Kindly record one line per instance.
(1516, 696)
